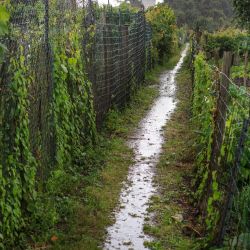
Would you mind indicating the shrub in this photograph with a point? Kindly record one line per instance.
(163, 22)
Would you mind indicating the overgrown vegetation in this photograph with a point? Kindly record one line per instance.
(30, 184)
(242, 8)
(229, 39)
(203, 15)
(163, 23)
(216, 169)
(55, 167)
(4, 19)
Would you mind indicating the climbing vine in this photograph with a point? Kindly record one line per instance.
(73, 102)
(71, 123)
(216, 179)
(62, 108)
(18, 165)
(203, 104)
(212, 211)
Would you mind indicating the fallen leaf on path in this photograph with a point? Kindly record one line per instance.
(54, 238)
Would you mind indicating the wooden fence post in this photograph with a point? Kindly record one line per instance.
(218, 137)
(219, 127)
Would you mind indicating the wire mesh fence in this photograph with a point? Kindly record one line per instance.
(47, 114)
(225, 161)
(121, 52)
(230, 151)
(112, 45)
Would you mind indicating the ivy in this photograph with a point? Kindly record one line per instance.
(74, 117)
(204, 112)
(203, 104)
(62, 108)
(212, 210)
(17, 176)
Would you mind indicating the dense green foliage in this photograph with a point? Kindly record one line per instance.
(242, 8)
(48, 142)
(163, 23)
(226, 40)
(29, 184)
(4, 18)
(203, 104)
(17, 172)
(213, 180)
(206, 14)
(203, 109)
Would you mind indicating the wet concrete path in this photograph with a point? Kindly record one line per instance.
(127, 232)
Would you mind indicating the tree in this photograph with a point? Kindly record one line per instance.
(162, 20)
(242, 8)
(203, 14)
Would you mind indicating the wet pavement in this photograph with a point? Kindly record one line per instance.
(127, 232)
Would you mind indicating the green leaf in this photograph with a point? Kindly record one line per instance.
(64, 68)
(4, 15)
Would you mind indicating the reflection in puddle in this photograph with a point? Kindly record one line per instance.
(127, 232)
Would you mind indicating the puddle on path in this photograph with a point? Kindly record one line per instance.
(127, 232)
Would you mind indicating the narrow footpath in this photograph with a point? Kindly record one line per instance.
(127, 231)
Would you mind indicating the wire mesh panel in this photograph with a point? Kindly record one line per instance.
(46, 111)
(232, 142)
(25, 98)
(221, 111)
(47, 118)
(121, 55)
